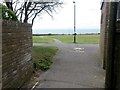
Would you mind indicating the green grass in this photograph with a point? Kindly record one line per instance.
(42, 39)
(42, 57)
(82, 39)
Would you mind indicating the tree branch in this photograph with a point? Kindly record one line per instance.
(37, 14)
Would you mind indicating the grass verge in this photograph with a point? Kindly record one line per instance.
(42, 57)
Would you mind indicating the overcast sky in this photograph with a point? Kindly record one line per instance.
(87, 16)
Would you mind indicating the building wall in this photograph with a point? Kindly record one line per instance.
(103, 31)
(16, 53)
(113, 65)
(117, 57)
(0, 55)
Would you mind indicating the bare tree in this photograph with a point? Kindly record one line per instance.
(29, 10)
(9, 4)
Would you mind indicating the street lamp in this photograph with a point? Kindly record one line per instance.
(74, 22)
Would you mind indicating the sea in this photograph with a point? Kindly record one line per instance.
(65, 31)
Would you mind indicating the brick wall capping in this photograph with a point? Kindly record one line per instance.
(15, 23)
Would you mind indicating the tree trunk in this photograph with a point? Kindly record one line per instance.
(9, 5)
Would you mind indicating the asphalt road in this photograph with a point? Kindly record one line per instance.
(75, 66)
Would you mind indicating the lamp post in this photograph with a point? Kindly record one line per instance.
(74, 22)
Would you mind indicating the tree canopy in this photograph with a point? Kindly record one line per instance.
(29, 10)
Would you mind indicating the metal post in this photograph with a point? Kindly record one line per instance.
(110, 67)
(74, 22)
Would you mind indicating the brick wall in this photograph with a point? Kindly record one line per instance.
(117, 57)
(16, 53)
(0, 55)
(104, 31)
(113, 66)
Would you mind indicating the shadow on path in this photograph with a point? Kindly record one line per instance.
(75, 66)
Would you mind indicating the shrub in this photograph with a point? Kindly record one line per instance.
(6, 13)
(42, 64)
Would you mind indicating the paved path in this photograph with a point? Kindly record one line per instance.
(75, 66)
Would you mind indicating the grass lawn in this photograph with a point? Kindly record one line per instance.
(42, 57)
(82, 39)
(42, 39)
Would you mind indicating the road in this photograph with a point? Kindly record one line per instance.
(74, 66)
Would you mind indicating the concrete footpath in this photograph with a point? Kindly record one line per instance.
(75, 66)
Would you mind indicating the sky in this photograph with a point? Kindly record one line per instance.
(87, 16)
